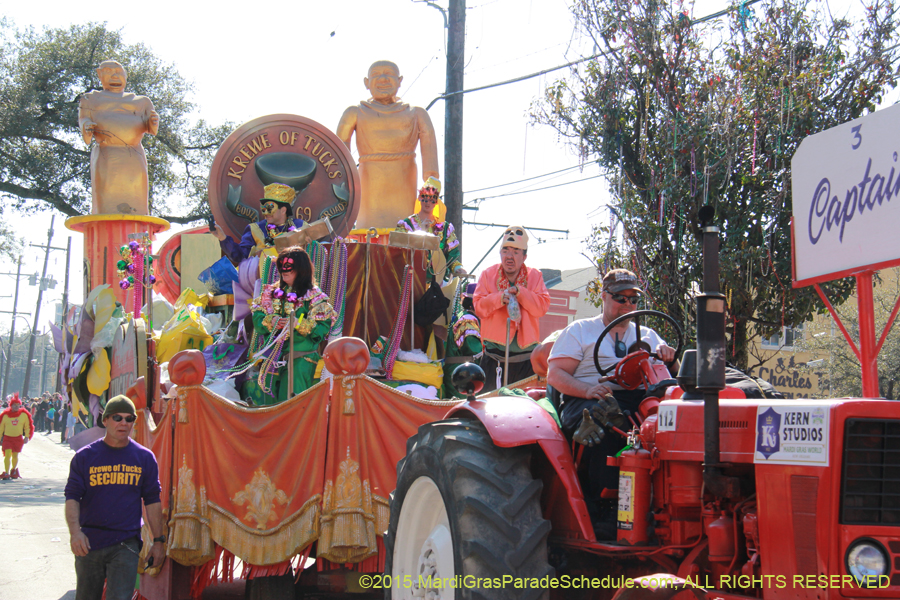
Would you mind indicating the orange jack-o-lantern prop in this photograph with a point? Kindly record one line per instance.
(346, 356)
(187, 368)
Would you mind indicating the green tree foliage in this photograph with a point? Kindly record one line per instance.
(687, 113)
(43, 160)
(838, 367)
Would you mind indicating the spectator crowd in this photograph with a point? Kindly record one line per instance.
(51, 414)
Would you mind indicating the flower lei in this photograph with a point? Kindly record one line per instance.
(279, 305)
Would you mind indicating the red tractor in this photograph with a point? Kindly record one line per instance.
(720, 496)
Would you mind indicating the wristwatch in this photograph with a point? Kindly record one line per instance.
(161, 539)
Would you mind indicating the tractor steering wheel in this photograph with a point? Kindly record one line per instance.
(637, 321)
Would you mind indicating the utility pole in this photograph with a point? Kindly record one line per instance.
(65, 308)
(453, 114)
(2, 353)
(37, 310)
(43, 372)
(12, 329)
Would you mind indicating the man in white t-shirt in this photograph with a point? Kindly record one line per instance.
(584, 392)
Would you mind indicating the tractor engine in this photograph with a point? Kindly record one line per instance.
(818, 510)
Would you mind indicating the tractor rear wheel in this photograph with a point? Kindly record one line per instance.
(465, 511)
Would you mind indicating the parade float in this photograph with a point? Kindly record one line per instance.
(288, 495)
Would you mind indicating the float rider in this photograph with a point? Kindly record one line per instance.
(499, 286)
(430, 217)
(259, 238)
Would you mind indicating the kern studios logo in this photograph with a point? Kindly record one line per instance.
(768, 424)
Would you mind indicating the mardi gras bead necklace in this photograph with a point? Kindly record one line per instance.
(393, 347)
(337, 291)
(132, 268)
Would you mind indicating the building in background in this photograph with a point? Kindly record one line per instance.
(568, 298)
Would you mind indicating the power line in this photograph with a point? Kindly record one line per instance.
(514, 80)
(580, 60)
(491, 187)
(428, 64)
(543, 188)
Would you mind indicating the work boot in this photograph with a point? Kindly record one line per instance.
(15, 474)
(4, 475)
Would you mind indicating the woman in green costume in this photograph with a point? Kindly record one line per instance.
(296, 293)
(429, 217)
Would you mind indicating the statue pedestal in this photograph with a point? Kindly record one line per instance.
(103, 236)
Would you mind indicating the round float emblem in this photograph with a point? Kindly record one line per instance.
(287, 149)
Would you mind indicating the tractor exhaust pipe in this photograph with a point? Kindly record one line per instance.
(711, 359)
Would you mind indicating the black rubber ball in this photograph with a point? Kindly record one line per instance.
(468, 379)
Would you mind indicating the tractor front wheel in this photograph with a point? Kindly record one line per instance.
(465, 519)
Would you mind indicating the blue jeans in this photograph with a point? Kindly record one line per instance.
(116, 564)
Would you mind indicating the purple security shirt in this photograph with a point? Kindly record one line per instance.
(109, 484)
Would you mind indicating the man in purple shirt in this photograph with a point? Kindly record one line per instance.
(108, 480)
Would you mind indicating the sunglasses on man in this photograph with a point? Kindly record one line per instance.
(118, 418)
(623, 299)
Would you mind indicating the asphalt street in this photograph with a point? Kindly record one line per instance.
(35, 560)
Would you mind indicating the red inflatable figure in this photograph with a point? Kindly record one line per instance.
(16, 428)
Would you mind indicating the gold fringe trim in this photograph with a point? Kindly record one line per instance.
(189, 540)
(350, 522)
(270, 546)
(382, 514)
(348, 536)
(190, 543)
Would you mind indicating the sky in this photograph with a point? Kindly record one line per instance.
(247, 60)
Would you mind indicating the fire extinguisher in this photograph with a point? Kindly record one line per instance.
(635, 492)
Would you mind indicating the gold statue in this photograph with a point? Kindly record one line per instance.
(117, 121)
(387, 132)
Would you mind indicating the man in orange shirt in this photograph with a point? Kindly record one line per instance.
(500, 289)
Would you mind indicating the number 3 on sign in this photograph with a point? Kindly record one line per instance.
(667, 418)
(856, 136)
